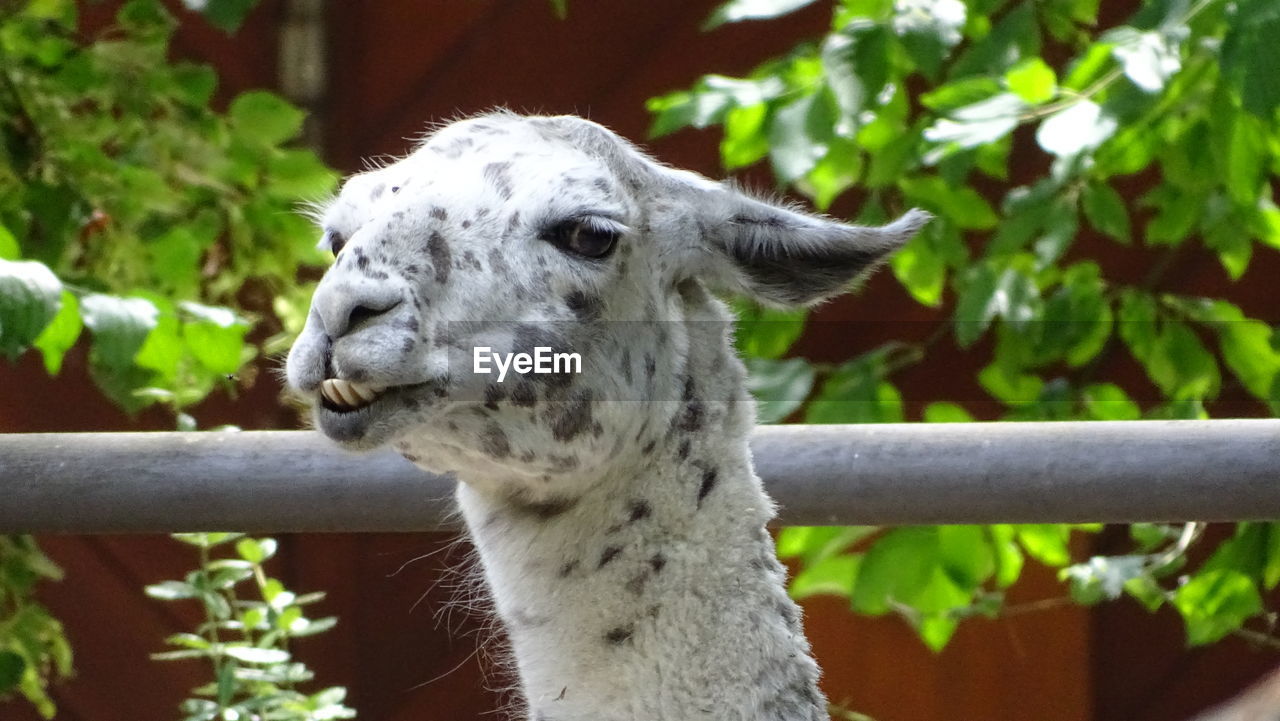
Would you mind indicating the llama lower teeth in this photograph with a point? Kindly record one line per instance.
(348, 395)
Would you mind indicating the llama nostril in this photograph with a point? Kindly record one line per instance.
(361, 313)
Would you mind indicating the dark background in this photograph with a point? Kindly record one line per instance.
(401, 649)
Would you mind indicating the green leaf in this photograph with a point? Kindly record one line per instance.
(1080, 127)
(1149, 59)
(1008, 555)
(739, 10)
(215, 338)
(857, 393)
(799, 135)
(709, 102)
(744, 140)
(1109, 402)
(813, 543)
(779, 387)
(961, 206)
(975, 306)
(60, 335)
(12, 667)
(205, 540)
(1032, 80)
(228, 15)
(766, 332)
(256, 550)
(835, 173)
(1247, 345)
(1180, 364)
(265, 117)
(30, 295)
(855, 64)
(896, 569)
(119, 325)
(1106, 211)
(9, 249)
(936, 630)
(946, 412)
(1250, 56)
(1215, 603)
(162, 350)
(928, 32)
(834, 575)
(966, 555)
(973, 125)
(1047, 543)
(299, 175)
(172, 591)
(249, 654)
(921, 270)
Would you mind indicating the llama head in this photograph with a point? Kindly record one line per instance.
(515, 234)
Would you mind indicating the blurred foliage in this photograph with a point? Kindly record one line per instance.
(133, 211)
(134, 214)
(922, 103)
(246, 636)
(33, 648)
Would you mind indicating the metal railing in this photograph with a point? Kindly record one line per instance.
(293, 481)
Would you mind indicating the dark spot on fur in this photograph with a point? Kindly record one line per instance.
(683, 451)
(466, 224)
(570, 418)
(560, 464)
(639, 510)
(513, 222)
(438, 249)
(439, 213)
(608, 555)
(691, 419)
(650, 366)
(524, 395)
(585, 307)
(499, 175)
(492, 394)
(551, 508)
(602, 185)
(709, 478)
(620, 635)
(407, 345)
(657, 563)
(496, 261)
(689, 389)
(648, 448)
(568, 568)
(494, 441)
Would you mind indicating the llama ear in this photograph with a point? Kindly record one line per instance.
(785, 257)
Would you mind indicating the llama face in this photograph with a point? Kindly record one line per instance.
(551, 238)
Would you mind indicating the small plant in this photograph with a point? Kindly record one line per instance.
(33, 647)
(250, 619)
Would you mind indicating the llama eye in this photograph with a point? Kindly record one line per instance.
(589, 237)
(334, 241)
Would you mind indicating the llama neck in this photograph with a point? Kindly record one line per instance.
(657, 596)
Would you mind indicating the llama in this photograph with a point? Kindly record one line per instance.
(618, 519)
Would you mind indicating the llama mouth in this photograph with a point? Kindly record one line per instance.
(343, 396)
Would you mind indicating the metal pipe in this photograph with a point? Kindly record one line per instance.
(278, 482)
